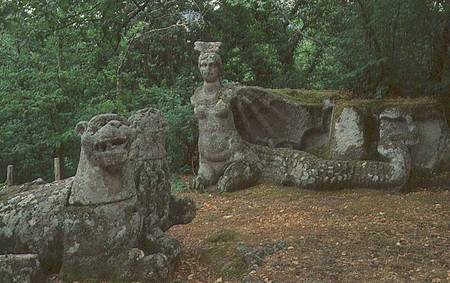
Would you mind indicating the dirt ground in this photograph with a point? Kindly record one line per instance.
(279, 234)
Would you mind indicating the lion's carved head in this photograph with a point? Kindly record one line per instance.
(105, 169)
(106, 140)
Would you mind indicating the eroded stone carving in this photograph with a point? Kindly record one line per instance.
(108, 221)
(426, 137)
(397, 127)
(348, 140)
(420, 124)
(230, 162)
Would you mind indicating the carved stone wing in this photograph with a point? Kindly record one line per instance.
(263, 117)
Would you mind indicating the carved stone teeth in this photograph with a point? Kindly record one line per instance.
(109, 144)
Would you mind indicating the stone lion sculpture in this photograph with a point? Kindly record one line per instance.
(107, 222)
(228, 162)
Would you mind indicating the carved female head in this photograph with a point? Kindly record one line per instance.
(210, 65)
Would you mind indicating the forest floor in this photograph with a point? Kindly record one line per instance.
(282, 234)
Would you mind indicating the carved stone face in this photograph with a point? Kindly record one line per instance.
(209, 65)
(106, 140)
(398, 127)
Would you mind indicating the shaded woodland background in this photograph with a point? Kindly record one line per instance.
(63, 61)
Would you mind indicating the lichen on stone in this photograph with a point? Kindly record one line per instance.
(101, 223)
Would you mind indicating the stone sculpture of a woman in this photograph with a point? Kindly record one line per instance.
(218, 139)
(231, 163)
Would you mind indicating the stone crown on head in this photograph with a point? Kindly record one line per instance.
(207, 47)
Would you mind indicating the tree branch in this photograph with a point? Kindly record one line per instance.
(124, 55)
(301, 30)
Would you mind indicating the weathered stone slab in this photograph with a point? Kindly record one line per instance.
(348, 135)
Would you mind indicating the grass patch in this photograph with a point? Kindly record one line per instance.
(225, 235)
(224, 260)
(177, 185)
(222, 255)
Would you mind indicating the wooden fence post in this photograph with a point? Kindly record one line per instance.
(10, 175)
(57, 168)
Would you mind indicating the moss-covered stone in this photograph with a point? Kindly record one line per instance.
(311, 96)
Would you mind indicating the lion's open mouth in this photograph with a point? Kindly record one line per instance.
(111, 145)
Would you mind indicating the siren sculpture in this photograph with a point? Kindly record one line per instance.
(106, 223)
(233, 119)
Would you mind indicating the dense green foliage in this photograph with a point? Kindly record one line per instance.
(64, 61)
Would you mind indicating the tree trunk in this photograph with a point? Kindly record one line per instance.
(440, 48)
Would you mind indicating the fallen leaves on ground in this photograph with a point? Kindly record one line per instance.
(350, 235)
